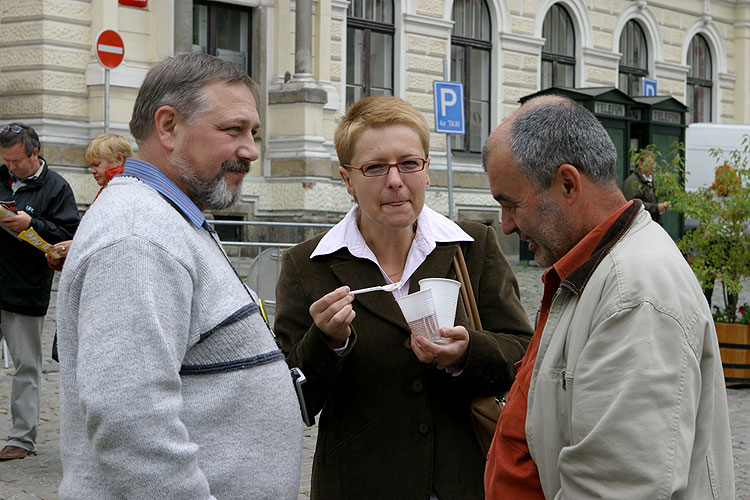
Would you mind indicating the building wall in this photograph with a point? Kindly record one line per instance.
(50, 79)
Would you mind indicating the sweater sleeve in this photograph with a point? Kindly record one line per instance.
(128, 363)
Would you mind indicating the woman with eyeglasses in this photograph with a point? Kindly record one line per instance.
(395, 419)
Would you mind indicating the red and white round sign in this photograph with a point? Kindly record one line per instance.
(110, 49)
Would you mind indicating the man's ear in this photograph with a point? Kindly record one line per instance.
(568, 180)
(166, 120)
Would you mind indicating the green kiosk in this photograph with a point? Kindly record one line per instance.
(660, 120)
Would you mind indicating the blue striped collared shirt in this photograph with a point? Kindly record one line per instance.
(151, 176)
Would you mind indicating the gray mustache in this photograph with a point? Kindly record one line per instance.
(236, 166)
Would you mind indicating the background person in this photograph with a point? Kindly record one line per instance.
(45, 202)
(640, 185)
(105, 156)
(179, 391)
(395, 419)
(620, 394)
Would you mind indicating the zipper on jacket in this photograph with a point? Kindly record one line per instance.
(563, 381)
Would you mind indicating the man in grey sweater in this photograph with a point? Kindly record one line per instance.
(171, 383)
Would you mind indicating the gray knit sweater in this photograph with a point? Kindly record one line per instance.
(171, 384)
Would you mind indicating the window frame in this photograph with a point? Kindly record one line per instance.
(556, 58)
(368, 26)
(698, 81)
(212, 33)
(467, 44)
(633, 73)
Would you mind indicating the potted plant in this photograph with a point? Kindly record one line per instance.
(718, 248)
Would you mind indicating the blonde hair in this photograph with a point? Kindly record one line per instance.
(107, 147)
(375, 112)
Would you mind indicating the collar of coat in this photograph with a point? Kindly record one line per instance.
(577, 280)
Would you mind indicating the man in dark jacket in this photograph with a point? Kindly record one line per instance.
(44, 202)
(640, 185)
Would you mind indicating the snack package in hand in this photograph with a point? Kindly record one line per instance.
(31, 236)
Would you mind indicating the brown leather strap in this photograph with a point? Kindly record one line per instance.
(467, 292)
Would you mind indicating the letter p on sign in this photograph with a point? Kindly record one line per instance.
(447, 99)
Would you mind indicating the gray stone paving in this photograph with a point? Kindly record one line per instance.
(37, 477)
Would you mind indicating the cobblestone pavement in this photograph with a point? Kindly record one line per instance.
(37, 477)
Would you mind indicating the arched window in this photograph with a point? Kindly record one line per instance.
(470, 64)
(558, 53)
(369, 49)
(634, 60)
(699, 83)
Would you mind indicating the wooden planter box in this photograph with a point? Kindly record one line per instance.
(734, 344)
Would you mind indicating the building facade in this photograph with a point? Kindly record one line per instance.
(312, 58)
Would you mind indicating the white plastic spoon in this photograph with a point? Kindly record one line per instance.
(384, 288)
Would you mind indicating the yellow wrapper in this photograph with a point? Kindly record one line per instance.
(31, 236)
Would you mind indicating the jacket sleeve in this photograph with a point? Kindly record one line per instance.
(506, 329)
(60, 220)
(303, 343)
(127, 371)
(633, 401)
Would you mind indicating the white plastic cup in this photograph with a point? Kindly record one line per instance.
(445, 298)
(419, 312)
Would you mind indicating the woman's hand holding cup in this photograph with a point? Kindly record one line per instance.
(450, 355)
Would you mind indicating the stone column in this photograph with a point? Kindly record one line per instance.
(183, 26)
(303, 40)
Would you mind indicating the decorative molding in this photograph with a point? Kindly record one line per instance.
(297, 146)
(671, 71)
(521, 43)
(727, 80)
(601, 58)
(428, 26)
(639, 11)
(338, 9)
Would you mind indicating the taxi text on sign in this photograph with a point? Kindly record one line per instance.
(449, 107)
(109, 48)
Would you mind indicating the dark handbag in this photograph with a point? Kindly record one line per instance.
(485, 410)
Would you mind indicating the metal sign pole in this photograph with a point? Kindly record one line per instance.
(106, 100)
(448, 154)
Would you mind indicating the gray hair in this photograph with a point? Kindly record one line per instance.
(554, 132)
(26, 136)
(179, 82)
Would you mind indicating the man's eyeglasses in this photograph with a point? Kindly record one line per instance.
(379, 168)
(13, 128)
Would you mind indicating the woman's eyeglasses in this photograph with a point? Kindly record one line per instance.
(13, 128)
(379, 168)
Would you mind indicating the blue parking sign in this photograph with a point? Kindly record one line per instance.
(649, 87)
(449, 107)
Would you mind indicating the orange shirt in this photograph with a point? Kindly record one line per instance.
(510, 472)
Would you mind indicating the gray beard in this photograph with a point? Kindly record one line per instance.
(215, 193)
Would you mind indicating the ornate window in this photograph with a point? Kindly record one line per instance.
(634, 60)
(470, 64)
(369, 49)
(558, 53)
(699, 83)
(223, 30)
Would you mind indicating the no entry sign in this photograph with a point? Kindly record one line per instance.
(110, 49)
